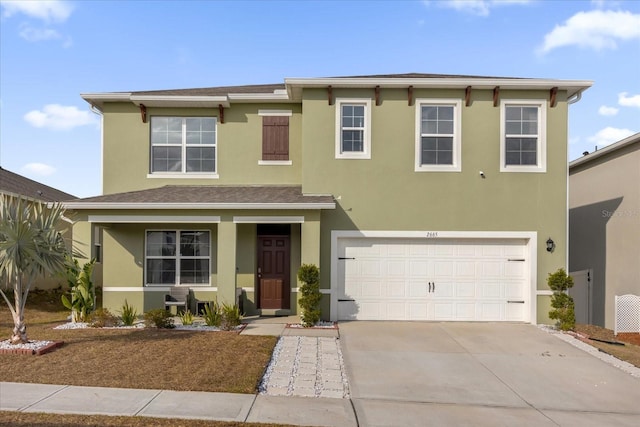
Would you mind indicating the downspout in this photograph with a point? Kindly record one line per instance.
(97, 111)
(572, 100)
(575, 98)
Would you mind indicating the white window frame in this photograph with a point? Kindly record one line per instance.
(366, 138)
(541, 149)
(456, 165)
(177, 257)
(183, 173)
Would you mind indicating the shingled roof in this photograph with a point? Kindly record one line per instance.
(18, 185)
(209, 197)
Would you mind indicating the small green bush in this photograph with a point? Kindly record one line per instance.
(309, 275)
(231, 316)
(187, 318)
(102, 318)
(159, 318)
(212, 315)
(561, 302)
(128, 314)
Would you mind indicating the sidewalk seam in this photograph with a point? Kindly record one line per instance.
(255, 397)
(44, 398)
(147, 404)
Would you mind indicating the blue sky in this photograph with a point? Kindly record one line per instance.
(51, 51)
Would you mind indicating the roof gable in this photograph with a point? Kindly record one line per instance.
(14, 184)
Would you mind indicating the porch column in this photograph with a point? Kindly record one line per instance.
(227, 237)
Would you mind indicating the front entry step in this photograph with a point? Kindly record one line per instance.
(275, 312)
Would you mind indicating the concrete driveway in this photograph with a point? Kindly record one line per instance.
(480, 374)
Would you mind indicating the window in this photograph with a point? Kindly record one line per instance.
(353, 129)
(275, 137)
(183, 145)
(438, 135)
(523, 146)
(177, 257)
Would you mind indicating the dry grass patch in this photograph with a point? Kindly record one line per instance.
(629, 352)
(134, 358)
(65, 420)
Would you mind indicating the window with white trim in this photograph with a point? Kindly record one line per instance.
(177, 257)
(353, 128)
(438, 135)
(523, 138)
(183, 145)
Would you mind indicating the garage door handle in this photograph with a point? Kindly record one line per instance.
(515, 302)
(340, 258)
(345, 300)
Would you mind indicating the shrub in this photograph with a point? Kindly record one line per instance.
(186, 317)
(159, 318)
(82, 296)
(212, 315)
(231, 316)
(128, 314)
(102, 318)
(561, 302)
(309, 275)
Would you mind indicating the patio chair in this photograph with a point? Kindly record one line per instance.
(177, 297)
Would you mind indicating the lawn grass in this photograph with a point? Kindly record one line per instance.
(10, 418)
(133, 358)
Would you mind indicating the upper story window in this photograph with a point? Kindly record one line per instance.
(275, 137)
(438, 135)
(353, 128)
(523, 137)
(183, 145)
(177, 257)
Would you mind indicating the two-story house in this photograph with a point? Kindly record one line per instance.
(419, 196)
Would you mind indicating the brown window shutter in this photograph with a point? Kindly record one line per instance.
(275, 138)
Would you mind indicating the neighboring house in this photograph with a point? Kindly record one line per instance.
(419, 196)
(14, 185)
(604, 229)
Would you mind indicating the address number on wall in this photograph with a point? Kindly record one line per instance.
(432, 234)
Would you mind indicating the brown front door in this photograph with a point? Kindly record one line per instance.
(273, 271)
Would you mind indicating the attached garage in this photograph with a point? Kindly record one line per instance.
(444, 277)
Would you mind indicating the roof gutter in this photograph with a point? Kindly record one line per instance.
(169, 206)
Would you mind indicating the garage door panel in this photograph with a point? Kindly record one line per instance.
(474, 280)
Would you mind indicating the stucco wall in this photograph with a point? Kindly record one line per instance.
(604, 217)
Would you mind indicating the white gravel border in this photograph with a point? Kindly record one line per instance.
(31, 345)
(611, 360)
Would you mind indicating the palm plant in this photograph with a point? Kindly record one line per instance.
(30, 246)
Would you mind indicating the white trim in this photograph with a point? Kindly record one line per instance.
(169, 206)
(541, 161)
(544, 292)
(152, 288)
(366, 141)
(246, 289)
(268, 219)
(456, 165)
(276, 96)
(130, 219)
(181, 175)
(279, 113)
(275, 162)
(530, 236)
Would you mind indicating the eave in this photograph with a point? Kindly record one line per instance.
(194, 206)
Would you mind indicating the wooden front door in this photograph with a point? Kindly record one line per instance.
(273, 271)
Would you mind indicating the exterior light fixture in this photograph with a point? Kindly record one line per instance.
(551, 245)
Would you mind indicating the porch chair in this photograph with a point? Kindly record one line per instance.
(178, 296)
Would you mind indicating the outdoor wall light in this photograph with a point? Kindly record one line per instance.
(551, 245)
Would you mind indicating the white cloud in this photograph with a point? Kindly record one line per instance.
(596, 29)
(607, 111)
(628, 101)
(609, 135)
(31, 34)
(46, 10)
(475, 7)
(59, 117)
(38, 169)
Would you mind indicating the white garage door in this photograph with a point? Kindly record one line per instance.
(420, 279)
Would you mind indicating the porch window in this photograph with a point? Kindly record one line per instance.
(177, 257)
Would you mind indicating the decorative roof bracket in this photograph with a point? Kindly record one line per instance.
(330, 94)
(221, 113)
(377, 95)
(410, 96)
(552, 96)
(496, 95)
(467, 96)
(143, 113)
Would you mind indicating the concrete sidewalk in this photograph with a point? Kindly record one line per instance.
(61, 399)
